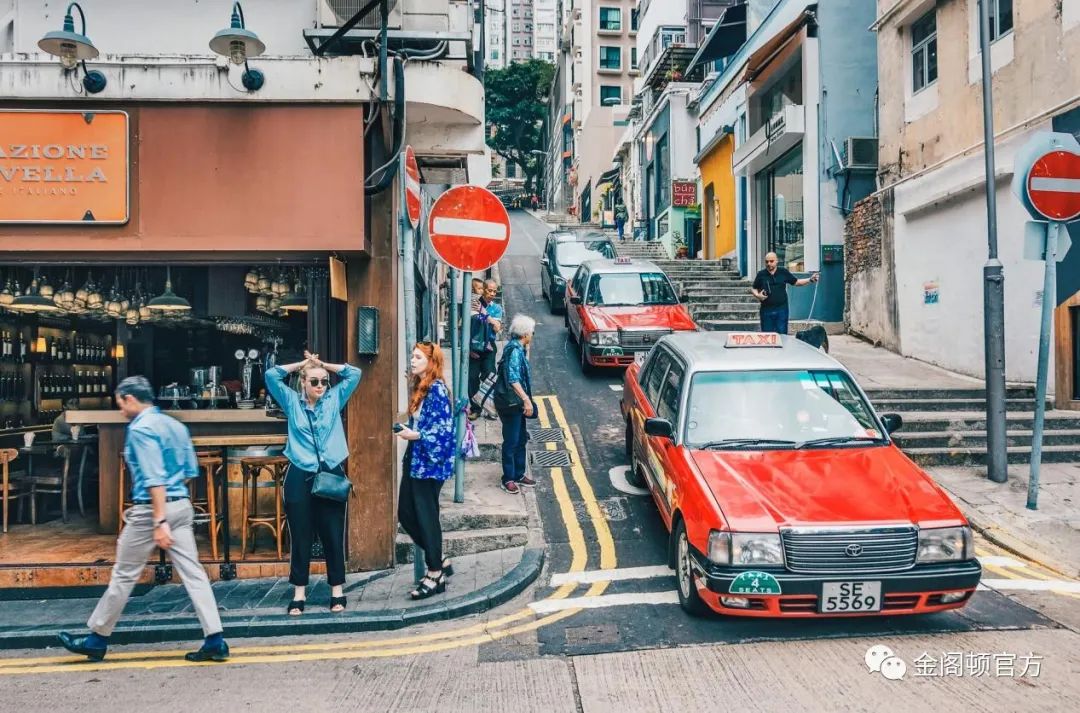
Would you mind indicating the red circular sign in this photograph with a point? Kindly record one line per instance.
(412, 187)
(1053, 185)
(469, 228)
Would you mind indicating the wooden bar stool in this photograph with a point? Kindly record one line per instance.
(54, 481)
(10, 489)
(251, 469)
(210, 462)
(124, 494)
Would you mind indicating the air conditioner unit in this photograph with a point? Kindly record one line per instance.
(335, 13)
(860, 153)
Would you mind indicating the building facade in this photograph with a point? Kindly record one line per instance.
(923, 298)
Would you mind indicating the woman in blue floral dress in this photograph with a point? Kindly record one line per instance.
(429, 462)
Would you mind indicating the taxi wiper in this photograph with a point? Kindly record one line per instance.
(837, 441)
(736, 443)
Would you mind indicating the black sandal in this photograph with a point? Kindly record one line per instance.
(296, 605)
(337, 601)
(447, 568)
(424, 590)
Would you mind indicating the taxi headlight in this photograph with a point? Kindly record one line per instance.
(604, 339)
(719, 547)
(754, 548)
(945, 544)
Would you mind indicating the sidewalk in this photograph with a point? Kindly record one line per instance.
(1049, 535)
(377, 600)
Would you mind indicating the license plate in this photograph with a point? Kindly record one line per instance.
(639, 358)
(612, 351)
(848, 597)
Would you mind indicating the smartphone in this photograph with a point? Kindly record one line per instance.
(398, 428)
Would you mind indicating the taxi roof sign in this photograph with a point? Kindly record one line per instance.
(742, 340)
(622, 261)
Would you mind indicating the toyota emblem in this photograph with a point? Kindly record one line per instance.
(853, 550)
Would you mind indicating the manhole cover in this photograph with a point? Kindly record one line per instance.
(599, 634)
(549, 459)
(546, 435)
(614, 509)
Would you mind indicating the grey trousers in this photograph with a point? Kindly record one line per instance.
(133, 550)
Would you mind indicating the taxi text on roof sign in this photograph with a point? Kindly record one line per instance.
(622, 261)
(752, 339)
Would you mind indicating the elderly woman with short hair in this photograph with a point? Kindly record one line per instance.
(515, 362)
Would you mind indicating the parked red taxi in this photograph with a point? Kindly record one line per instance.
(780, 485)
(618, 308)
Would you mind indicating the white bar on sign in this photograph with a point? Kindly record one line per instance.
(468, 228)
(1056, 185)
(412, 185)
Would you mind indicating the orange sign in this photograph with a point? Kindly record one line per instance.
(63, 167)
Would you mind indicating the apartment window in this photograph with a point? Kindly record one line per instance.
(610, 91)
(634, 13)
(611, 19)
(495, 54)
(610, 58)
(924, 51)
(633, 58)
(1001, 17)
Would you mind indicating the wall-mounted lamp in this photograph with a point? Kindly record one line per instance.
(74, 48)
(118, 352)
(238, 43)
(367, 330)
(40, 346)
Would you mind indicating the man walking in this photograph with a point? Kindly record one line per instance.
(489, 324)
(160, 458)
(770, 289)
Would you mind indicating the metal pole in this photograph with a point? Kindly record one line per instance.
(463, 386)
(993, 282)
(451, 325)
(1049, 300)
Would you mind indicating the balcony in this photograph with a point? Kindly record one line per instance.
(666, 59)
(780, 133)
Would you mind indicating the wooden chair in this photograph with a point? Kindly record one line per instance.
(54, 481)
(10, 488)
(123, 494)
(210, 462)
(251, 469)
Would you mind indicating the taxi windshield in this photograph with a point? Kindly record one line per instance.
(630, 288)
(765, 410)
(574, 253)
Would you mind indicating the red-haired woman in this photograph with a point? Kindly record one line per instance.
(429, 462)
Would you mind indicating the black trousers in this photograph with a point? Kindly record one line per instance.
(418, 513)
(306, 515)
(479, 369)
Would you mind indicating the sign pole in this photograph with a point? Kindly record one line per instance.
(1049, 300)
(463, 385)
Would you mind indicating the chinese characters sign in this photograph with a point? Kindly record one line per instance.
(63, 167)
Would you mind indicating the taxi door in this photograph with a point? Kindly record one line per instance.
(574, 313)
(664, 452)
(647, 447)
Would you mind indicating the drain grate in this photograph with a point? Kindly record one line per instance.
(549, 459)
(546, 435)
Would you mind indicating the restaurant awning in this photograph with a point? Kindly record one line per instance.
(724, 39)
(608, 176)
(775, 46)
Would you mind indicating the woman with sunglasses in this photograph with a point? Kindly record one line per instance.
(316, 442)
(428, 463)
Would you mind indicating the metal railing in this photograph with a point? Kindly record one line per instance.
(664, 37)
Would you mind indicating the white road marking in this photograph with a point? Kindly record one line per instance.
(611, 575)
(1056, 185)
(1000, 561)
(620, 482)
(467, 228)
(548, 606)
(1033, 585)
(615, 387)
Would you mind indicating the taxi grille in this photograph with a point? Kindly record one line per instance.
(640, 338)
(831, 551)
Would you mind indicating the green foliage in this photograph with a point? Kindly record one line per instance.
(516, 105)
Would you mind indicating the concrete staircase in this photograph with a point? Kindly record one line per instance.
(640, 249)
(719, 298)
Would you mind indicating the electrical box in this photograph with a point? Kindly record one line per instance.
(831, 254)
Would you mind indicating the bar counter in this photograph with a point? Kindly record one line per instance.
(217, 428)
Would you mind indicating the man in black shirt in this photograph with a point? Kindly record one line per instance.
(770, 288)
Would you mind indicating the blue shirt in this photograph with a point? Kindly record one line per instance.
(433, 452)
(158, 452)
(329, 436)
(517, 366)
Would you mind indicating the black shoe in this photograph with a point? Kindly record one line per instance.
(429, 586)
(218, 653)
(77, 645)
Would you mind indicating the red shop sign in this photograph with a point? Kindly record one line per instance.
(683, 193)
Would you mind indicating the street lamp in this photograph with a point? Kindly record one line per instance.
(74, 48)
(238, 43)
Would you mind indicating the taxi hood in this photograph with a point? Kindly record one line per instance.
(760, 491)
(613, 318)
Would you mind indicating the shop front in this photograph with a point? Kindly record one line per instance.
(198, 246)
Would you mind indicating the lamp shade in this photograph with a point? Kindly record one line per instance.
(169, 301)
(67, 44)
(236, 41)
(33, 302)
(295, 302)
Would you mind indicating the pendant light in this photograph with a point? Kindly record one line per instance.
(32, 301)
(296, 300)
(169, 301)
(7, 295)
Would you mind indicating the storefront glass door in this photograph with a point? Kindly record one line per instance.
(782, 195)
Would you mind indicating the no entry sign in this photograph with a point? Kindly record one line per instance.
(412, 187)
(1053, 185)
(469, 228)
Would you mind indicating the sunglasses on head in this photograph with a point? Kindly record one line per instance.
(319, 382)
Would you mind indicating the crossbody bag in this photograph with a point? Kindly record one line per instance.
(327, 484)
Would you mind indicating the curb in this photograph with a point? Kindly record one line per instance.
(1017, 547)
(247, 626)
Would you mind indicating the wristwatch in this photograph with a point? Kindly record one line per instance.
(159, 523)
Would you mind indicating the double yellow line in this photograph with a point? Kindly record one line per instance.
(521, 621)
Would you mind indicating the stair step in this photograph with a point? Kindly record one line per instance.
(949, 440)
(1012, 392)
(457, 544)
(974, 421)
(978, 456)
(910, 405)
(728, 325)
(722, 315)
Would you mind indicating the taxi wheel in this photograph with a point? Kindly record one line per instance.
(689, 599)
(586, 367)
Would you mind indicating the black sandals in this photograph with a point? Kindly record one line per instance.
(296, 605)
(429, 586)
(337, 602)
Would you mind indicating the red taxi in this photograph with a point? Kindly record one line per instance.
(780, 485)
(618, 308)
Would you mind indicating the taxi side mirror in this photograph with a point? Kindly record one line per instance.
(892, 422)
(575, 299)
(544, 261)
(659, 427)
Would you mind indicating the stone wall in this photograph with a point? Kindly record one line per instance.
(870, 309)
